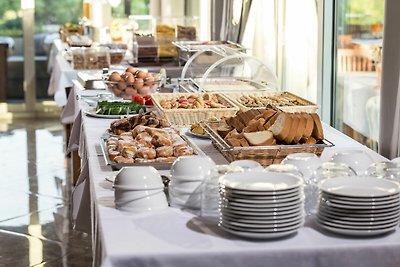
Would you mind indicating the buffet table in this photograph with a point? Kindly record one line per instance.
(175, 237)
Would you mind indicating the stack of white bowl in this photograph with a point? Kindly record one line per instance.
(187, 176)
(139, 188)
(261, 204)
(359, 206)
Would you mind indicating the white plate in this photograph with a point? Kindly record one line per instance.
(359, 187)
(261, 181)
(261, 227)
(271, 217)
(355, 218)
(230, 203)
(262, 203)
(360, 207)
(265, 194)
(261, 223)
(358, 211)
(346, 223)
(234, 209)
(203, 136)
(244, 197)
(349, 227)
(360, 199)
(92, 113)
(360, 203)
(266, 230)
(357, 232)
(274, 212)
(259, 235)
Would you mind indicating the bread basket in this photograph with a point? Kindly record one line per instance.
(302, 106)
(186, 117)
(265, 155)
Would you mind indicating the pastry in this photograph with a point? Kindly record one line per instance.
(146, 153)
(164, 151)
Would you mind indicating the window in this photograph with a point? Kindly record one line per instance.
(358, 36)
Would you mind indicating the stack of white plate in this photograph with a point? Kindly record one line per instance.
(260, 204)
(359, 206)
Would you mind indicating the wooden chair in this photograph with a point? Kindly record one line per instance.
(349, 60)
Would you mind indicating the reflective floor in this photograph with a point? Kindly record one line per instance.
(35, 229)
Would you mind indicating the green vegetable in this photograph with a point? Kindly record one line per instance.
(118, 108)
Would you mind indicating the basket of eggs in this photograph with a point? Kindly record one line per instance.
(133, 82)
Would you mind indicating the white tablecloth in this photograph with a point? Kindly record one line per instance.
(175, 237)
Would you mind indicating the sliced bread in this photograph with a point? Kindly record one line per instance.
(235, 123)
(318, 131)
(261, 138)
(300, 129)
(271, 121)
(309, 127)
(293, 129)
(282, 125)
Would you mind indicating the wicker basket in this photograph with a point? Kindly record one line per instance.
(265, 155)
(186, 117)
(306, 106)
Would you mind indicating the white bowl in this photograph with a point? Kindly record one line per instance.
(186, 200)
(191, 167)
(184, 186)
(305, 162)
(358, 160)
(152, 202)
(123, 194)
(139, 178)
(284, 168)
(247, 164)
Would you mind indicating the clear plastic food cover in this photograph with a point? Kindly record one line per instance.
(226, 70)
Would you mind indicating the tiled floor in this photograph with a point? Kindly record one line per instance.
(35, 229)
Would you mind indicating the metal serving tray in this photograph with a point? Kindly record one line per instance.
(157, 165)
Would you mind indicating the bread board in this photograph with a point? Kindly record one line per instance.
(265, 155)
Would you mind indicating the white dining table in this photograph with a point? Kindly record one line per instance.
(178, 237)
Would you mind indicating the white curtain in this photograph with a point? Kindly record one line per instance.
(389, 138)
(286, 41)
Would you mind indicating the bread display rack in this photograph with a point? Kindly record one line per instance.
(265, 155)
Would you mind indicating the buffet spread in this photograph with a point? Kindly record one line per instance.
(269, 183)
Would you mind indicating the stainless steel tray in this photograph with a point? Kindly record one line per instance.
(265, 155)
(157, 165)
